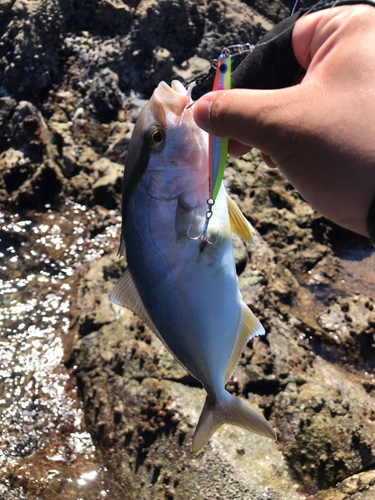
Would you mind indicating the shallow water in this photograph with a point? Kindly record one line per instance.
(356, 275)
(45, 447)
(358, 271)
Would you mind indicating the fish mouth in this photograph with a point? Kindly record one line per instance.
(170, 103)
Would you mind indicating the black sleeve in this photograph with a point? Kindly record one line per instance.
(272, 64)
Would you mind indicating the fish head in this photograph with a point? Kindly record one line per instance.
(168, 152)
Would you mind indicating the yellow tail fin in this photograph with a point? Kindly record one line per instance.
(229, 410)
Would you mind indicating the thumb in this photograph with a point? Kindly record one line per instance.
(263, 119)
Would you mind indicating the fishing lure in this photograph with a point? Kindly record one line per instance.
(218, 146)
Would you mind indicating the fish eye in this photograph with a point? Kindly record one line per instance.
(155, 137)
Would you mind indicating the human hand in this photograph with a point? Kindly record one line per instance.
(320, 133)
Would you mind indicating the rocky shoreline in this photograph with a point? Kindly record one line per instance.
(109, 400)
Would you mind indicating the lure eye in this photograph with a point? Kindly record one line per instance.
(155, 137)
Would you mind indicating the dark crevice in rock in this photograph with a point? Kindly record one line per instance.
(119, 368)
(186, 380)
(90, 325)
(263, 387)
(364, 449)
(155, 475)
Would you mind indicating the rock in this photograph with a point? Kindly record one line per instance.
(7, 106)
(30, 43)
(349, 328)
(105, 95)
(234, 182)
(161, 67)
(107, 189)
(311, 257)
(26, 130)
(114, 13)
(326, 270)
(5, 8)
(43, 187)
(70, 167)
(117, 151)
(240, 253)
(359, 487)
(99, 183)
(329, 427)
(178, 26)
(15, 168)
(191, 69)
(81, 185)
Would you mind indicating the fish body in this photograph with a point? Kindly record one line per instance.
(185, 289)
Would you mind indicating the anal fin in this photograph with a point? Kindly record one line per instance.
(239, 224)
(250, 327)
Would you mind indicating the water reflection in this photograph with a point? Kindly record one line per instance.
(45, 448)
(358, 270)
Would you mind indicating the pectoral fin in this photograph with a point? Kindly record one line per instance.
(126, 294)
(239, 224)
(122, 249)
(250, 328)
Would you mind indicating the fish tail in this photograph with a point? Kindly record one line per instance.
(228, 410)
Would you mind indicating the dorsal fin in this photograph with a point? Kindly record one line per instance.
(250, 327)
(239, 224)
(126, 294)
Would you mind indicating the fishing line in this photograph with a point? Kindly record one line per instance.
(294, 7)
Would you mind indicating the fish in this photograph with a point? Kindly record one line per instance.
(182, 287)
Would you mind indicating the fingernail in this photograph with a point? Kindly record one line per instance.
(202, 109)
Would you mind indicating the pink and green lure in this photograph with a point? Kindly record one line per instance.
(218, 147)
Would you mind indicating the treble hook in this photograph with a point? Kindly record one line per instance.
(203, 235)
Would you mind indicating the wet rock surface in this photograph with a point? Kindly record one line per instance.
(92, 404)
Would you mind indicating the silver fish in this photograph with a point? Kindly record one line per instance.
(184, 289)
